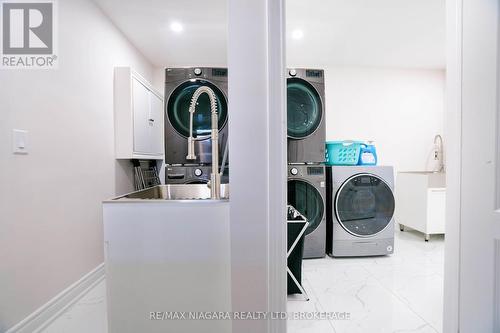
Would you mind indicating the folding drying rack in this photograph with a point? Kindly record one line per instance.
(294, 216)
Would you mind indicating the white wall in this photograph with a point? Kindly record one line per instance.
(401, 109)
(158, 80)
(50, 200)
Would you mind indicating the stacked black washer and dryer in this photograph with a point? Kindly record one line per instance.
(350, 208)
(306, 154)
(180, 85)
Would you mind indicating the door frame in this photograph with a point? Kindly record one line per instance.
(272, 45)
(472, 39)
(453, 134)
(257, 128)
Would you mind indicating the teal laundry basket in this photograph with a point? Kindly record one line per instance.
(343, 152)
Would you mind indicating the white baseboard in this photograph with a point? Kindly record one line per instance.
(50, 311)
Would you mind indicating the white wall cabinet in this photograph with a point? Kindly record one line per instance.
(138, 117)
(421, 201)
(157, 137)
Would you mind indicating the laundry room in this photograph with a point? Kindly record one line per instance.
(121, 158)
(377, 78)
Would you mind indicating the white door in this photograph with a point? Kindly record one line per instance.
(140, 96)
(156, 124)
(479, 281)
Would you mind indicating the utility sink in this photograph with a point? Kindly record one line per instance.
(432, 179)
(167, 248)
(176, 192)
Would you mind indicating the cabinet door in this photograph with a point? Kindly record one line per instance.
(140, 97)
(156, 125)
(436, 211)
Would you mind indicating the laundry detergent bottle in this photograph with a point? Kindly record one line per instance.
(368, 154)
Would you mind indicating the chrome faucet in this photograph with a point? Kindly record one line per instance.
(438, 152)
(215, 176)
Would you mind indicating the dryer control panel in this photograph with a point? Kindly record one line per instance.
(316, 171)
(305, 170)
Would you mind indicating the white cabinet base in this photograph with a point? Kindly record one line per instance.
(164, 257)
(421, 202)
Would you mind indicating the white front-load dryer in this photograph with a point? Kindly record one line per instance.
(360, 211)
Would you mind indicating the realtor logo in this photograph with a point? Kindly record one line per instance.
(28, 34)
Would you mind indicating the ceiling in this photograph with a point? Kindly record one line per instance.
(382, 33)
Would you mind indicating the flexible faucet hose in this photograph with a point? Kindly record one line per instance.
(196, 95)
(215, 176)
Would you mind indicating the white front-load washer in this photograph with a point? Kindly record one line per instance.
(360, 211)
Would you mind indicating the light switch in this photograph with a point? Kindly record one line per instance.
(19, 141)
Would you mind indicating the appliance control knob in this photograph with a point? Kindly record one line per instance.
(198, 172)
(197, 71)
(292, 72)
(294, 171)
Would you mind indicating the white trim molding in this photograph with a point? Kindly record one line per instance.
(51, 310)
(257, 143)
(277, 242)
(453, 134)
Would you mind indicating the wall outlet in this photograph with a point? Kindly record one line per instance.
(19, 141)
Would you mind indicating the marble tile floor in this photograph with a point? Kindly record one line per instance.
(88, 315)
(394, 294)
(398, 293)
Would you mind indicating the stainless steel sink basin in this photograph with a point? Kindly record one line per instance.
(176, 192)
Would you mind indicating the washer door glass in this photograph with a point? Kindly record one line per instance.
(178, 109)
(308, 201)
(304, 109)
(364, 205)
